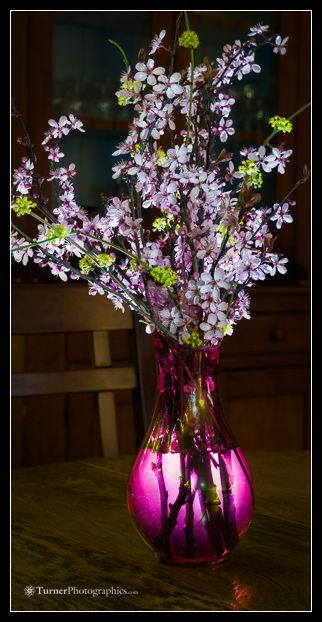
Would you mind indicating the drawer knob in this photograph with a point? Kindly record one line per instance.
(277, 334)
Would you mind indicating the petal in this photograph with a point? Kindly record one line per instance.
(212, 319)
(204, 326)
(158, 71)
(176, 77)
(141, 75)
(151, 80)
(138, 159)
(158, 88)
(206, 277)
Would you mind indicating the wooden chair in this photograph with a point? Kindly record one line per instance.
(40, 309)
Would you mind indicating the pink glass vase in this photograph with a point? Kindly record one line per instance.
(190, 491)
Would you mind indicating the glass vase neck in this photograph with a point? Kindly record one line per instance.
(188, 409)
(180, 363)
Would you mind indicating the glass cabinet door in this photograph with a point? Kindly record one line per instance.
(86, 74)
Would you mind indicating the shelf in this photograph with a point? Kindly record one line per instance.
(115, 125)
(122, 125)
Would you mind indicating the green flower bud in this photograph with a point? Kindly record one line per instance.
(189, 39)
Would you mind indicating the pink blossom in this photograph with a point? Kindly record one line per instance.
(281, 215)
(225, 129)
(148, 72)
(281, 158)
(54, 153)
(61, 128)
(157, 42)
(169, 86)
(280, 45)
(258, 30)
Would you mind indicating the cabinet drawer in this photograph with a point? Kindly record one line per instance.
(275, 332)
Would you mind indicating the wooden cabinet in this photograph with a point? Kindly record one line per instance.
(265, 371)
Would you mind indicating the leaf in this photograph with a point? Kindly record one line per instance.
(269, 243)
(142, 55)
(254, 200)
(223, 156)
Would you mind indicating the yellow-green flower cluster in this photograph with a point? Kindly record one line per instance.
(22, 206)
(86, 265)
(226, 330)
(137, 150)
(162, 157)
(128, 86)
(252, 175)
(194, 340)
(189, 39)
(133, 265)
(223, 230)
(104, 260)
(280, 123)
(59, 231)
(165, 276)
(161, 224)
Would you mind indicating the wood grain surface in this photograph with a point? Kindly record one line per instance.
(72, 536)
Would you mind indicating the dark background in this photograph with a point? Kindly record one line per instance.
(61, 62)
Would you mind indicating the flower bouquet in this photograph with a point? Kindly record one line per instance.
(186, 274)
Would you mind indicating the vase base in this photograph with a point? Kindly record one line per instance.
(189, 563)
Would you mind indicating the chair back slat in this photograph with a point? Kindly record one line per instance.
(73, 381)
(63, 309)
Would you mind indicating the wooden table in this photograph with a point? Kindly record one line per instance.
(72, 536)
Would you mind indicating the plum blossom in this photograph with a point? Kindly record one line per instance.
(22, 255)
(169, 85)
(267, 162)
(175, 157)
(23, 177)
(225, 129)
(280, 45)
(61, 128)
(75, 124)
(248, 266)
(278, 265)
(215, 321)
(281, 214)
(58, 270)
(54, 154)
(171, 318)
(157, 42)
(259, 29)
(148, 72)
(281, 158)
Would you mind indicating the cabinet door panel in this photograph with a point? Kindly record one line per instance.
(270, 333)
(273, 422)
